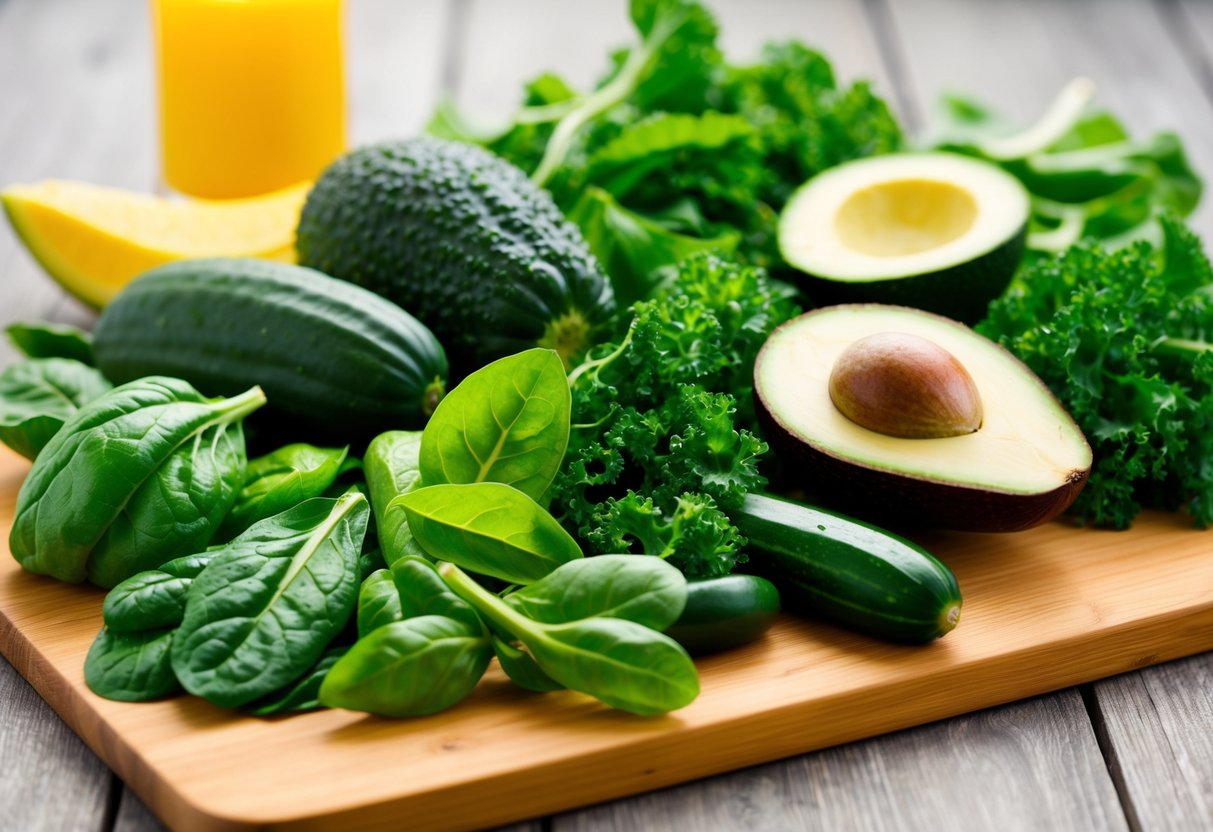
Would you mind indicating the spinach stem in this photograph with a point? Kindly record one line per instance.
(485, 602)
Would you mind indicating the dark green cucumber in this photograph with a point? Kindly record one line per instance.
(842, 569)
(328, 354)
(723, 613)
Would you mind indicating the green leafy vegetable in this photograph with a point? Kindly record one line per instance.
(507, 422)
(281, 479)
(153, 599)
(132, 479)
(267, 605)
(413, 667)
(646, 590)
(730, 144)
(38, 396)
(302, 695)
(646, 424)
(489, 528)
(422, 592)
(131, 667)
(1088, 178)
(522, 669)
(46, 340)
(378, 602)
(392, 466)
(620, 662)
(1123, 338)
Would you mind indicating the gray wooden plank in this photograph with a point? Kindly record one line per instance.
(134, 816)
(1157, 725)
(997, 769)
(51, 780)
(1017, 54)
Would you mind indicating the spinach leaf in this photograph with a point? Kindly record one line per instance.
(267, 605)
(90, 474)
(422, 592)
(522, 668)
(643, 589)
(47, 340)
(178, 508)
(131, 667)
(489, 528)
(153, 599)
(412, 667)
(303, 695)
(281, 479)
(507, 422)
(392, 468)
(622, 663)
(378, 602)
(38, 396)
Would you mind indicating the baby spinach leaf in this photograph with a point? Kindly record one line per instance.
(93, 468)
(378, 602)
(638, 588)
(131, 667)
(154, 598)
(507, 422)
(267, 605)
(522, 669)
(422, 592)
(622, 663)
(178, 508)
(38, 396)
(412, 667)
(489, 528)
(275, 482)
(392, 468)
(47, 340)
(371, 560)
(303, 695)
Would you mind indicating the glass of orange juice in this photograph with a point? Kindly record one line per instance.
(252, 93)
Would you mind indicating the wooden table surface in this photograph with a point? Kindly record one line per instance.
(1131, 752)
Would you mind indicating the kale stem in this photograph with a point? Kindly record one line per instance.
(598, 363)
(625, 82)
(1182, 347)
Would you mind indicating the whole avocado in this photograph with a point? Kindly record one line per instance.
(463, 240)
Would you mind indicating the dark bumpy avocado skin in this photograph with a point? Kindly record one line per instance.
(461, 239)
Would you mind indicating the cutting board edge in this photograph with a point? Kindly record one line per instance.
(638, 767)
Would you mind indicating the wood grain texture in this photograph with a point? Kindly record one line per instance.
(997, 769)
(1158, 725)
(41, 758)
(1016, 56)
(1045, 609)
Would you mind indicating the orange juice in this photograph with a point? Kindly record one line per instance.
(252, 93)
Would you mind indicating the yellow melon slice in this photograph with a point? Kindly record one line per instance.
(94, 240)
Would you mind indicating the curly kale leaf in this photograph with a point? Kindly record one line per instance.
(648, 420)
(1123, 339)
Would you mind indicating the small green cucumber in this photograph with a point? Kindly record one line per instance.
(329, 355)
(848, 571)
(723, 613)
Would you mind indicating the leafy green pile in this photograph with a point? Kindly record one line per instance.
(1124, 339)
(1089, 179)
(658, 452)
(728, 144)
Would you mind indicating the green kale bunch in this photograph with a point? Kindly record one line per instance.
(1124, 339)
(662, 442)
(676, 151)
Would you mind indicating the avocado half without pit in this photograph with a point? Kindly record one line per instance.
(905, 417)
(935, 231)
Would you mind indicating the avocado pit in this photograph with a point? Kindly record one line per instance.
(904, 385)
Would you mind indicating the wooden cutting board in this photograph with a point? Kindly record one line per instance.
(1044, 609)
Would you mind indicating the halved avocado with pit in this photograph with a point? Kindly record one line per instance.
(1024, 464)
(935, 231)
